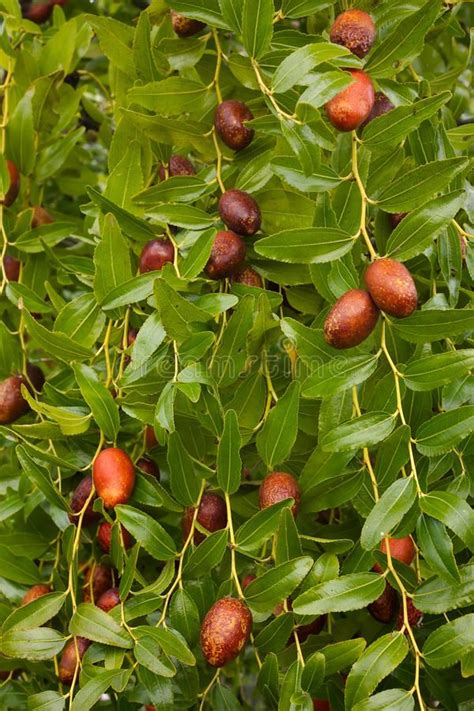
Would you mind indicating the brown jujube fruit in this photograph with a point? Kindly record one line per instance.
(184, 26)
(382, 609)
(212, 516)
(279, 486)
(35, 592)
(391, 286)
(352, 106)
(247, 276)
(229, 123)
(314, 627)
(97, 579)
(414, 615)
(227, 254)
(12, 403)
(12, 192)
(40, 217)
(240, 212)
(71, 658)
(402, 549)
(11, 267)
(355, 30)
(104, 536)
(114, 476)
(177, 165)
(155, 254)
(148, 466)
(150, 437)
(109, 600)
(79, 497)
(396, 217)
(382, 105)
(351, 320)
(225, 631)
(132, 336)
(321, 705)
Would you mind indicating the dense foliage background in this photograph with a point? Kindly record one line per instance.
(237, 380)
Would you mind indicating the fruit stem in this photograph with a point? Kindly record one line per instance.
(207, 689)
(364, 198)
(215, 81)
(462, 232)
(365, 451)
(233, 546)
(219, 161)
(5, 89)
(269, 93)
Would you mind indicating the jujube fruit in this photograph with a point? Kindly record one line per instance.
(98, 578)
(383, 608)
(402, 549)
(391, 286)
(71, 658)
(109, 599)
(414, 615)
(132, 336)
(247, 276)
(148, 466)
(240, 212)
(79, 497)
(351, 320)
(155, 254)
(396, 217)
(114, 476)
(227, 253)
(104, 536)
(314, 627)
(212, 515)
(40, 217)
(225, 631)
(321, 705)
(229, 123)
(12, 403)
(11, 267)
(12, 192)
(184, 26)
(382, 105)
(35, 592)
(247, 580)
(352, 106)
(279, 486)
(177, 165)
(355, 30)
(150, 437)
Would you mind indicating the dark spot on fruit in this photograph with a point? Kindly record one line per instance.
(12, 403)
(148, 466)
(71, 658)
(248, 277)
(382, 105)
(11, 267)
(40, 217)
(12, 192)
(98, 578)
(402, 549)
(109, 599)
(396, 217)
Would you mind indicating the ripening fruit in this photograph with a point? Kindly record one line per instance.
(415, 616)
(132, 336)
(79, 497)
(12, 403)
(150, 437)
(11, 267)
(97, 580)
(225, 630)
(321, 705)
(227, 253)
(391, 286)
(71, 658)
(35, 592)
(240, 212)
(212, 516)
(279, 486)
(40, 217)
(148, 466)
(383, 607)
(104, 536)
(229, 123)
(396, 217)
(109, 600)
(177, 165)
(402, 549)
(184, 26)
(247, 276)
(382, 105)
(247, 580)
(12, 192)
(352, 106)
(155, 254)
(351, 320)
(355, 30)
(114, 476)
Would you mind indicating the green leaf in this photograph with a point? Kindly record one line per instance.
(364, 431)
(136, 289)
(427, 326)
(148, 532)
(184, 615)
(453, 511)
(176, 312)
(185, 485)
(198, 255)
(95, 624)
(378, 661)
(300, 62)
(36, 644)
(341, 655)
(446, 645)
(339, 374)
(436, 595)
(259, 527)
(229, 463)
(257, 26)
(432, 371)
(207, 555)
(94, 688)
(388, 512)
(275, 441)
(40, 477)
(418, 185)
(274, 636)
(46, 701)
(35, 613)
(392, 699)
(103, 406)
(111, 260)
(55, 343)
(130, 224)
(276, 584)
(16, 568)
(327, 85)
(169, 96)
(349, 592)
(170, 642)
(81, 320)
(444, 431)
(308, 245)
(437, 548)
(179, 188)
(21, 135)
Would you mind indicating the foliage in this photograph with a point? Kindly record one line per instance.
(236, 380)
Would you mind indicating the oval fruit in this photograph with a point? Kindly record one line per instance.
(150, 437)
(71, 658)
(114, 476)
(227, 253)
(12, 192)
(396, 217)
(247, 276)
(321, 705)
(40, 217)
(79, 497)
(382, 105)
(351, 320)
(177, 165)
(229, 123)
(225, 631)
(212, 516)
(240, 212)
(109, 600)
(184, 26)
(12, 403)
(35, 592)
(414, 615)
(11, 267)
(155, 254)
(391, 286)
(98, 578)
(355, 30)
(402, 549)
(104, 536)
(383, 607)
(352, 106)
(148, 466)
(279, 486)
